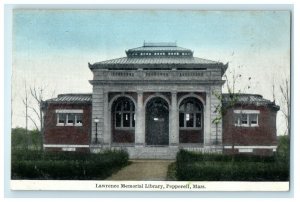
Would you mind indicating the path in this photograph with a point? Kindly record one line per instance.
(141, 170)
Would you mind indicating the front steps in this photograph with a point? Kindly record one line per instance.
(160, 152)
(152, 152)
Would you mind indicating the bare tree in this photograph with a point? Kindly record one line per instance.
(38, 95)
(273, 89)
(25, 101)
(231, 80)
(285, 102)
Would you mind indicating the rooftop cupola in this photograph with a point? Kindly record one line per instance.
(163, 49)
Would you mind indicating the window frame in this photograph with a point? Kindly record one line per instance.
(57, 120)
(66, 113)
(122, 112)
(78, 124)
(194, 113)
(238, 115)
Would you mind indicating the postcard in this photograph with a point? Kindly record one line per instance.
(150, 100)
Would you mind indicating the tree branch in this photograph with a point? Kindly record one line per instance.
(33, 122)
(35, 111)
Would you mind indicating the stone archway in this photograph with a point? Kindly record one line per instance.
(157, 122)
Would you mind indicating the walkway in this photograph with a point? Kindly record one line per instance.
(143, 170)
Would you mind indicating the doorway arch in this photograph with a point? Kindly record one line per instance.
(157, 122)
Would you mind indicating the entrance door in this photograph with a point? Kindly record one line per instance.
(157, 122)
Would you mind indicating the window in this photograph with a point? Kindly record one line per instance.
(69, 117)
(246, 118)
(253, 119)
(61, 119)
(124, 113)
(190, 114)
(78, 118)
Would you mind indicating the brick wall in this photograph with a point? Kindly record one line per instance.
(264, 134)
(74, 135)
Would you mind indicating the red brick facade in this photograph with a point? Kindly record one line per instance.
(258, 138)
(67, 135)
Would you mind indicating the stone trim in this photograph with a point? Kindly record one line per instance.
(66, 145)
(76, 111)
(156, 95)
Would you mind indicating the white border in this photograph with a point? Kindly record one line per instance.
(206, 5)
(147, 185)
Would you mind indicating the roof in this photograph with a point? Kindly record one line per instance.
(71, 98)
(158, 60)
(159, 48)
(153, 44)
(157, 53)
(243, 98)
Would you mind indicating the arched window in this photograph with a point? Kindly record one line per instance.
(124, 113)
(190, 113)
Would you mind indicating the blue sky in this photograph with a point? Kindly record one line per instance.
(53, 47)
(76, 31)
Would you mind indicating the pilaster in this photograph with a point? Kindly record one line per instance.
(174, 121)
(207, 118)
(140, 121)
(107, 122)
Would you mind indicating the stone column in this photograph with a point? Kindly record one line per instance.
(140, 121)
(107, 121)
(216, 131)
(174, 122)
(207, 118)
(97, 112)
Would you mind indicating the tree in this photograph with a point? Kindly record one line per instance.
(231, 80)
(285, 102)
(37, 93)
(25, 101)
(33, 103)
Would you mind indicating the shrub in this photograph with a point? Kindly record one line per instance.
(66, 165)
(19, 139)
(218, 167)
(283, 150)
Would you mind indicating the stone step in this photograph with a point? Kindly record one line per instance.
(152, 152)
(166, 153)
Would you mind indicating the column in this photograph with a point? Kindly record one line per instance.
(107, 121)
(140, 121)
(97, 112)
(207, 120)
(174, 122)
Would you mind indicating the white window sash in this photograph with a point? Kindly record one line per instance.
(77, 124)
(67, 119)
(63, 111)
(57, 122)
(248, 124)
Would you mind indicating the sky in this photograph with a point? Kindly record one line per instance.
(52, 48)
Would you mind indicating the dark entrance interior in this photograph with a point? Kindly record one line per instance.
(157, 122)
